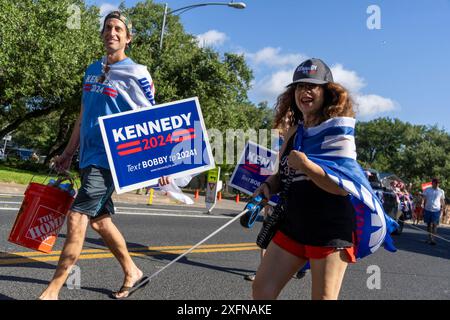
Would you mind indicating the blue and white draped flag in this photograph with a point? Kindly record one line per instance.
(331, 145)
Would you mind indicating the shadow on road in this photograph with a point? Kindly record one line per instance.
(414, 240)
(14, 260)
(100, 244)
(15, 280)
(104, 291)
(3, 297)
(236, 271)
(160, 255)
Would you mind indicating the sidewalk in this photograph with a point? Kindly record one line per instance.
(132, 198)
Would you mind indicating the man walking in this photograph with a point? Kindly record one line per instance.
(434, 204)
(111, 85)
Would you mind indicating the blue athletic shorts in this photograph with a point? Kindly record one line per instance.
(94, 196)
(431, 216)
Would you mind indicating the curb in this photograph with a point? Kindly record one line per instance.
(132, 197)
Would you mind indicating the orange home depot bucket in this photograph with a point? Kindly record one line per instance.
(41, 216)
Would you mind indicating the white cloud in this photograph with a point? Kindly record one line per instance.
(367, 105)
(211, 38)
(372, 104)
(272, 85)
(272, 57)
(349, 79)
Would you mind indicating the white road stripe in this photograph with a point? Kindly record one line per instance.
(173, 215)
(152, 214)
(131, 208)
(156, 209)
(11, 195)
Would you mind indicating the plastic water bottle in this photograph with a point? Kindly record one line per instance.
(66, 187)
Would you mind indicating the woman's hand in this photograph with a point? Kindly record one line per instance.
(298, 160)
(264, 190)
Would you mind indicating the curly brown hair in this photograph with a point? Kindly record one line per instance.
(337, 103)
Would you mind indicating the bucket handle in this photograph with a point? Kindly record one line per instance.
(62, 176)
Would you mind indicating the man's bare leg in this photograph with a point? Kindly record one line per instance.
(433, 232)
(430, 230)
(117, 245)
(76, 232)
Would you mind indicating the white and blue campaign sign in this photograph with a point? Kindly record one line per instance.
(255, 165)
(165, 140)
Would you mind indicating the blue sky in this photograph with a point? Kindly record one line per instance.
(401, 70)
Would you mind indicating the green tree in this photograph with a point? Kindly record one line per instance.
(415, 153)
(425, 156)
(182, 69)
(41, 70)
(43, 57)
(378, 141)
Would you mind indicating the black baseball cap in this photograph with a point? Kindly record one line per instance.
(312, 71)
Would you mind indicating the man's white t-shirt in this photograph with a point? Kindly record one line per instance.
(433, 197)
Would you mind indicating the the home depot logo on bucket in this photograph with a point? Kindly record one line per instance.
(46, 226)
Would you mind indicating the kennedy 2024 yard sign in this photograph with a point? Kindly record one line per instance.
(164, 140)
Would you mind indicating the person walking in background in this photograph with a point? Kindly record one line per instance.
(445, 216)
(405, 202)
(418, 208)
(434, 205)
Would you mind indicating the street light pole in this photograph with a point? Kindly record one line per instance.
(163, 27)
(235, 5)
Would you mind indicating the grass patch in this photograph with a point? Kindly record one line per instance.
(13, 175)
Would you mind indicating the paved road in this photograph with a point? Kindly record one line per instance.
(157, 234)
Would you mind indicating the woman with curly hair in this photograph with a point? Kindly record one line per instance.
(319, 221)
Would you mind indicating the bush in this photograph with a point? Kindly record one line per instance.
(32, 166)
(26, 165)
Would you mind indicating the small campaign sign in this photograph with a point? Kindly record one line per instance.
(256, 164)
(211, 191)
(165, 140)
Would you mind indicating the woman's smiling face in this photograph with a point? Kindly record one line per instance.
(309, 98)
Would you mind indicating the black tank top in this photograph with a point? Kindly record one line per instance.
(315, 217)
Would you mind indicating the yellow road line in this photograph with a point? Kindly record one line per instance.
(109, 255)
(151, 251)
(131, 249)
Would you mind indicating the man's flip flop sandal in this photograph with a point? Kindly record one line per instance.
(141, 283)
